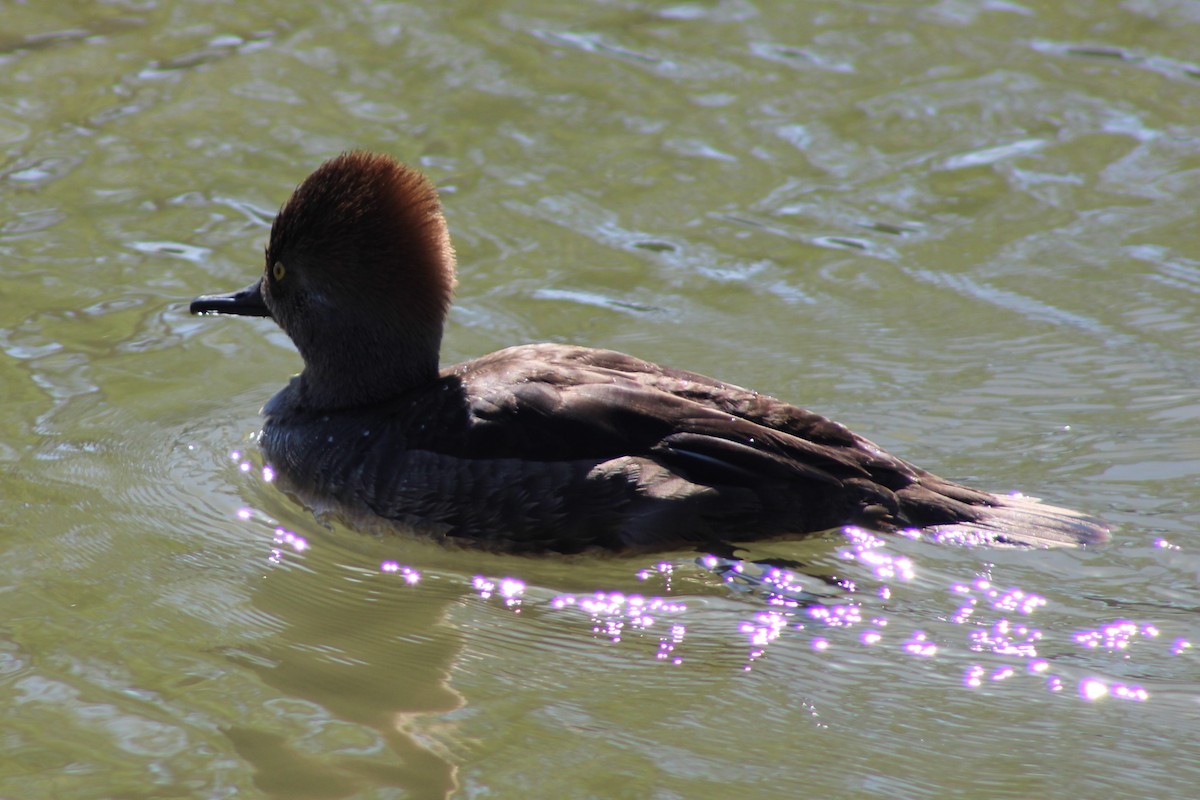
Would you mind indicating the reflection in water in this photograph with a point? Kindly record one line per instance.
(366, 670)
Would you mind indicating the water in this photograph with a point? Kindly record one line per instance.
(964, 229)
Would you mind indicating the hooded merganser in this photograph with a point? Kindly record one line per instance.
(547, 447)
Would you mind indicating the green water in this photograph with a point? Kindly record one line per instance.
(965, 229)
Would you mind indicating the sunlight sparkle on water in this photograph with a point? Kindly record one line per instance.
(964, 612)
(1013, 600)
(1004, 638)
(1117, 635)
(1017, 600)
(1095, 689)
(664, 568)
(1135, 693)
(291, 539)
(612, 613)
(784, 588)
(996, 620)
(284, 539)
(865, 547)
(765, 628)
(410, 575)
(510, 590)
(667, 645)
(839, 616)
(919, 645)
(974, 676)
(778, 587)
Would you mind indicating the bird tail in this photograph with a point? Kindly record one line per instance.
(1020, 521)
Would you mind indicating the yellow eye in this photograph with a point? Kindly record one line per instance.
(277, 271)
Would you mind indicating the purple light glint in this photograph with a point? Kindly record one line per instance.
(1118, 635)
(918, 645)
(1135, 693)
(841, 616)
(293, 540)
(410, 575)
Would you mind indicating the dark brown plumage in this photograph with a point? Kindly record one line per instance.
(547, 447)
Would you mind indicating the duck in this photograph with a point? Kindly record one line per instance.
(548, 448)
